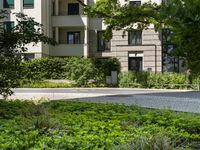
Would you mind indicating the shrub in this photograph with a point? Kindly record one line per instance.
(127, 79)
(45, 68)
(81, 70)
(107, 65)
(159, 80)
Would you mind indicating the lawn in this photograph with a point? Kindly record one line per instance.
(74, 125)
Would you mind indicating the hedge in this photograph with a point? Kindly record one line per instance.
(81, 70)
(159, 80)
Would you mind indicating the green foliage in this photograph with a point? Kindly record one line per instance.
(9, 71)
(45, 84)
(127, 79)
(117, 16)
(152, 80)
(45, 68)
(13, 43)
(159, 80)
(81, 70)
(73, 125)
(105, 66)
(182, 17)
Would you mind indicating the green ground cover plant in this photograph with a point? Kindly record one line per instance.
(83, 126)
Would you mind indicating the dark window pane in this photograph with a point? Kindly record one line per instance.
(8, 3)
(8, 26)
(103, 45)
(100, 41)
(135, 37)
(135, 3)
(29, 56)
(28, 3)
(54, 33)
(73, 9)
(77, 37)
(73, 38)
(170, 63)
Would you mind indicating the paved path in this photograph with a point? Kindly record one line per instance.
(187, 101)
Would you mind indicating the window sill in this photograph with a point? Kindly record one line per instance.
(134, 44)
(9, 8)
(73, 14)
(105, 51)
(25, 7)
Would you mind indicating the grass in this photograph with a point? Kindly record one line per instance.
(48, 84)
(74, 125)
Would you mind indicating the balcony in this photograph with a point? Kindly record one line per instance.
(69, 21)
(68, 50)
(68, 13)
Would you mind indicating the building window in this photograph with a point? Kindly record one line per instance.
(29, 56)
(170, 63)
(102, 44)
(28, 3)
(73, 9)
(54, 34)
(135, 37)
(135, 3)
(53, 8)
(73, 37)
(8, 26)
(8, 3)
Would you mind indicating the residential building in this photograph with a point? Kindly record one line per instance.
(79, 35)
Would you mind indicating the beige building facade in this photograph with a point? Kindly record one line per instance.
(79, 35)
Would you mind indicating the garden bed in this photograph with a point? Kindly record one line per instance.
(74, 125)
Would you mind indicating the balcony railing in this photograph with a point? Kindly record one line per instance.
(68, 50)
(69, 20)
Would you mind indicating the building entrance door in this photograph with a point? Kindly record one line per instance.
(135, 64)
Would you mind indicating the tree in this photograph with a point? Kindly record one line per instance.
(182, 17)
(118, 17)
(13, 42)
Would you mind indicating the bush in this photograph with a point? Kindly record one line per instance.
(45, 68)
(107, 65)
(127, 79)
(159, 80)
(81, 70)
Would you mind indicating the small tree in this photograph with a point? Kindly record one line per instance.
(13, 43)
